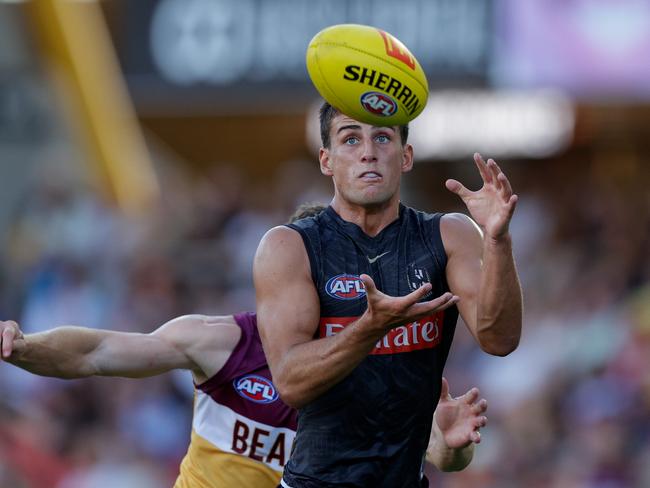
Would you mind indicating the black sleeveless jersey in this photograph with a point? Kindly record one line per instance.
(372, 428)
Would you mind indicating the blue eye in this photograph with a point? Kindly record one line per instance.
(383, 138)
(351, 140)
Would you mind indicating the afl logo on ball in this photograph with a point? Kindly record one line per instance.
(256, 388)
(345, 287)
(378, 104)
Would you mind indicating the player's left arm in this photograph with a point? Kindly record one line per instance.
(480, 264)
(455, 429)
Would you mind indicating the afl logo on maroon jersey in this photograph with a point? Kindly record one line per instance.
(345, 287)
(256, 388)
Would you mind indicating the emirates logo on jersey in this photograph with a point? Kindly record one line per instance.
(256, 388)
(425, 333)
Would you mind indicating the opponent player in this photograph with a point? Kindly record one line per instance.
(241, 431)
(358, 334)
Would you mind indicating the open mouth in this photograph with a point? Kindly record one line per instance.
(370, 176)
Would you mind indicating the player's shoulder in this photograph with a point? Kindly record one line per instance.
(219, 331)
(280, 235)
(279, 246)
(281, 258)
(457, 221)
(457, 230)
(309, 221)
(208, 340)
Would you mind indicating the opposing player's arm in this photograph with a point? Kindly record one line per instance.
(194, 342)
(455, 429)
(480, 264)
(288, 311)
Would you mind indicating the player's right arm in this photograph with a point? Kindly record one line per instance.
(194, 342)
(288, 311)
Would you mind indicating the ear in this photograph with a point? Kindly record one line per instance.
(324, 158)
(407, 159)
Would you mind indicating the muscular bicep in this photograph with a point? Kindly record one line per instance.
(134, 355)
(287, 303)
(463, 243)
(198, 343)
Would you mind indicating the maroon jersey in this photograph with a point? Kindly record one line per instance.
(241, 432)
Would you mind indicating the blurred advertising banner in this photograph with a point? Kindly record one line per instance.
(250, 54)
(590, 48)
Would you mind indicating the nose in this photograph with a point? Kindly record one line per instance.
(368, 155)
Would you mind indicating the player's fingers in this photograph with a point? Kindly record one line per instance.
(506, 189)
(510, 206)
(457, 187)
(479, 407)
(416, 295)
(437, 304)
(482, 168)
(369, 284)
(8, 335)
(475, 436)
(495, 171)
(480, 422)
(471, 396)
(512, 203)
(444, 389)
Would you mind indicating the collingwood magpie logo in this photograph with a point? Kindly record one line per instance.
(416, 277)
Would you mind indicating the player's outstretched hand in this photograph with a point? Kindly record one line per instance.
(11, 338)
(492, 206)
(459, 419)
(388, 312)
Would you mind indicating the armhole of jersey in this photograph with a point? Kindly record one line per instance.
(222, 376)
(310, 252)
(438, 246)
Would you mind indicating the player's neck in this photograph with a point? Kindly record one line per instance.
(372, 219)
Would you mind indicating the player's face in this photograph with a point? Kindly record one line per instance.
(366, 162)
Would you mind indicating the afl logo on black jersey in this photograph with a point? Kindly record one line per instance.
(345, 287)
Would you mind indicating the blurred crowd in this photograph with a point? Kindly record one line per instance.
(569, 409)
(71, 259)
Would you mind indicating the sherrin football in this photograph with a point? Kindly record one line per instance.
(367, 74)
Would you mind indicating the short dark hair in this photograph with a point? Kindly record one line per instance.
(305, 210)
(327, 114)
